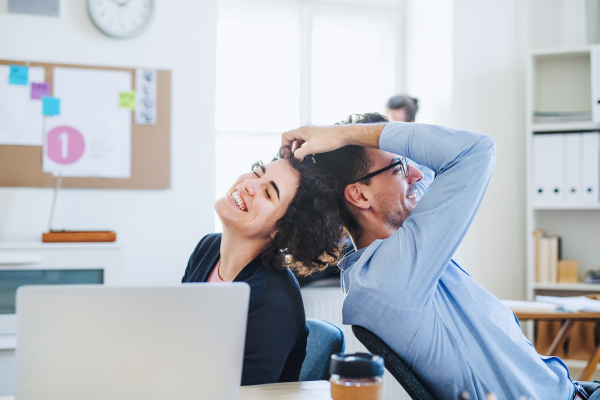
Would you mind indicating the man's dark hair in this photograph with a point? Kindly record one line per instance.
(309, 235)
(409, 104)
(345, 165)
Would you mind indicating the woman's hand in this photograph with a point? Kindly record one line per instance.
(321, 139)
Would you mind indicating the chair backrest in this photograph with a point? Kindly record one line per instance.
(324, 339)
(393, 363)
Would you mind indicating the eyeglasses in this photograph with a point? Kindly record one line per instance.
(401, 162)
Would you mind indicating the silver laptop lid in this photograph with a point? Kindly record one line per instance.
(98, 342)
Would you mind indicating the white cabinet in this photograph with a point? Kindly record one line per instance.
(563, 104)
(46, 263)
(563, 100)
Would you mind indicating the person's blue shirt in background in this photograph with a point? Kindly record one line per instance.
(451, 332)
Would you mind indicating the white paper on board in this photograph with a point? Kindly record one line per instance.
(21, 120)
(145, 96)
(90, 101)
(98, 156)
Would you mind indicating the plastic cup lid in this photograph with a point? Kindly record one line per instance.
(356, 365)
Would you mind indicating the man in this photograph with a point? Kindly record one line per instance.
(402, 108)
(401, 284)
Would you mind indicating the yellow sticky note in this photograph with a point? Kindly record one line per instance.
(127, 100)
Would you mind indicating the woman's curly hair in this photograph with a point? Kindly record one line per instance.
(309, 235)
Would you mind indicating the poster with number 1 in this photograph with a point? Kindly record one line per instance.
(92, 135)
(82, 148)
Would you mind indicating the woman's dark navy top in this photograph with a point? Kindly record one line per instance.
(276, 332)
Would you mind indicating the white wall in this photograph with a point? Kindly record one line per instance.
(157, 229)
(488, 96)
(428, 33)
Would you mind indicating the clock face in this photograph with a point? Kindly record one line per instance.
(120, 18)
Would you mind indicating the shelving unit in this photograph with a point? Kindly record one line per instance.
(592, 287)
(567, 207)
(564, 127)
(563, 80)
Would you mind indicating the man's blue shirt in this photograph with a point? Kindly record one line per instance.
(451, 332)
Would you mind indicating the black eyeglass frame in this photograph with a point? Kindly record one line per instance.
(403, 167)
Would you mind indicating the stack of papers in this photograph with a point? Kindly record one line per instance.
(529, 306)
(593, 277)
(550, 117)
(571, 304)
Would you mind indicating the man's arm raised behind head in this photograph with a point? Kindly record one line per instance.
(321, 139)
(421, 249)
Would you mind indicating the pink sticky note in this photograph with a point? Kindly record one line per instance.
(40, 89)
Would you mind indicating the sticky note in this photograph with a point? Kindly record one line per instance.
(19, 75)
(40, 89)
(127, 100)
(50, 105)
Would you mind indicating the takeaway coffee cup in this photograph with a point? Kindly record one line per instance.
(356, 376)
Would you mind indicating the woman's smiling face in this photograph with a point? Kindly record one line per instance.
(257, 200)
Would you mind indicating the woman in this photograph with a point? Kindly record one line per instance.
(280, 215)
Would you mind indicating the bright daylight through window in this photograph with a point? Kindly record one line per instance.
(290, 63)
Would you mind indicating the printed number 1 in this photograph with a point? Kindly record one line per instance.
(64, 138)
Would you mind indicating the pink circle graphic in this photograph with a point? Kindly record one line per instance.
(65, 145)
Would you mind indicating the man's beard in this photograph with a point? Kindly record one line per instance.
(395, 214)
(394, 218)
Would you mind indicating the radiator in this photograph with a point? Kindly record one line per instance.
(326, 303)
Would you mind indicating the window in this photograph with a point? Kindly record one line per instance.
(284, 64)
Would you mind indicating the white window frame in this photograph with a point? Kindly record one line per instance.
(389, 10)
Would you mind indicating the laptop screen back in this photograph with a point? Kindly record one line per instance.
(98, 342)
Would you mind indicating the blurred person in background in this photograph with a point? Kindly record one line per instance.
(402, 108)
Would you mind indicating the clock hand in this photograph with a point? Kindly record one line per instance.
(121, 3)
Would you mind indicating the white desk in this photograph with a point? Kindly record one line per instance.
(317, 390)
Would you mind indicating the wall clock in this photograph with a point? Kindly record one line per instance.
(121, 18)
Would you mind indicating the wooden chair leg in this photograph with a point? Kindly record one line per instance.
(591, 366)
(563, 335)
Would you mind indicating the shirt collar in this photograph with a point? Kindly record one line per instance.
(350, 258)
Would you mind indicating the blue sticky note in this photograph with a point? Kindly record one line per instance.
(19, 75)
(50, 105)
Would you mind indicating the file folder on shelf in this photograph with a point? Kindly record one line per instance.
(549, 169)
(544, 260)
(539, 155)
(548, 255)
(590, 165)
(573, 168)
(553, 257)
(555, 169)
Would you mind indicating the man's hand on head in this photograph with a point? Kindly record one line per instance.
(321, 139)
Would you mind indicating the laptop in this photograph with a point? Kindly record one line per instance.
(90, 342)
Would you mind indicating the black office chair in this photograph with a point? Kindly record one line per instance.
(393, 363)
(324, 339)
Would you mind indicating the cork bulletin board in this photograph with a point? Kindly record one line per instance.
(21, 166)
